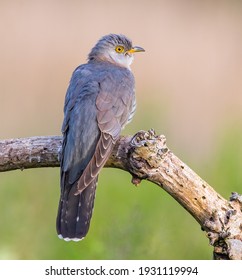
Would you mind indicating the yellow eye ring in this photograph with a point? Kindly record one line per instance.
(119, 49)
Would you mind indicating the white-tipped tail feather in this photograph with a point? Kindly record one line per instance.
(69, 239)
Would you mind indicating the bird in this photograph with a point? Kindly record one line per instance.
(99, 102)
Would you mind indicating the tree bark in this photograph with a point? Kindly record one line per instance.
(146, 156)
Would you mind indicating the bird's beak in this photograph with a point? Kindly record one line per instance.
(136, 49)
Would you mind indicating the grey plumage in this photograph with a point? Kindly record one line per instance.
(99, 101)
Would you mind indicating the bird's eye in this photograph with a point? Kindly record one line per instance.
(119, 49)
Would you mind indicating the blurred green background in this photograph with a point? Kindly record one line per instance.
(189, 88)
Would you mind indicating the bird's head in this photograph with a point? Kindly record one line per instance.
(115, 49)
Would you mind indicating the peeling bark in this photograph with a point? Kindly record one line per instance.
(146, 156)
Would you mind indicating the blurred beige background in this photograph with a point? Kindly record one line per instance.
(189, 80)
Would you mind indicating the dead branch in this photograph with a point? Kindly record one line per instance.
(146, 156)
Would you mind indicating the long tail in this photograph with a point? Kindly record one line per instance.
(75, 212)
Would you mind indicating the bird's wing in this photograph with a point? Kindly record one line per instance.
(80, 129)
(114, 105)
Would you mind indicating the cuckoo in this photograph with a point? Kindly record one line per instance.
(99, 102)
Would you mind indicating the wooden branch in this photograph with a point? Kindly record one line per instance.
(146, 156)
(33, 152)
